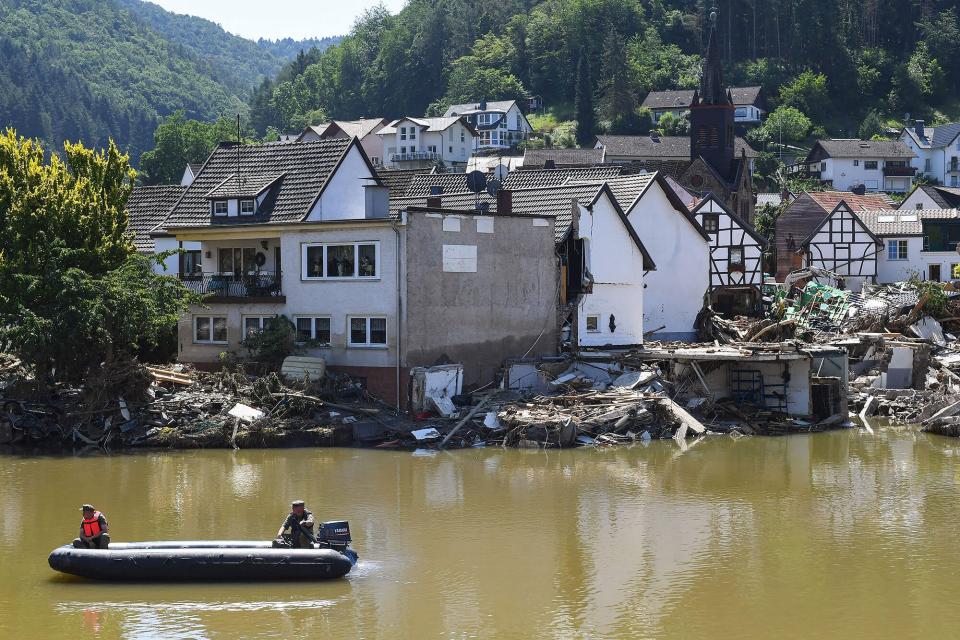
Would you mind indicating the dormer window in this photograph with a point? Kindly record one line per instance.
(246, 207)
(219, 207)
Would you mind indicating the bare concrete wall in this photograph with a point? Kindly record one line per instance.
(479, 289)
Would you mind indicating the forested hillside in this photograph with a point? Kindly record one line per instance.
(838, 62)
(94, 69)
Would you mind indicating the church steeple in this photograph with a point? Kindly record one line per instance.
(712, 90)
(712, 112)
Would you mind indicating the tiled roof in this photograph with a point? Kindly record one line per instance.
(533, 178)
(903, 222)
(195, 167)
(474, 107)
(626, 189)
(658, 147)
(555, 202)
(935, 137)
(397, 180)
(146, 208)
(246, 186)
(304, 166)
(943, 197)
(828, 200)
(682, 98)
(562, 157)
(432, 124)
(853, 148)
(359, 128)
(673, 168)
(420, 184)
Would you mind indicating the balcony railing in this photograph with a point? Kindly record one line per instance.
(953, 167)
(262, 284)
(899, 171)
(416, 155)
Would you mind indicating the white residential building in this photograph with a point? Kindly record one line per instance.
(848, 164)
(747, 101)
(364, 129)
(301, 230)
(500, 124)
(410, 143)
(937, 151)
(916, 243)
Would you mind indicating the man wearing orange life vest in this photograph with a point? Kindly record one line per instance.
(94, 532)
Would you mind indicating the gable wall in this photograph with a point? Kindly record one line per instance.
(843, 245)
(344, 197)
(731, 234)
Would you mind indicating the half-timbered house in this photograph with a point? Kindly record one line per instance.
(843, 244)
(736, 257)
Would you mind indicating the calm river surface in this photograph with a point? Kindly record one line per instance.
(838, 535)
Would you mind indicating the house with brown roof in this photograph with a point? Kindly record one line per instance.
(300, 232)
(148, 206)
(852, 164)
(747, 101)
(805, 214)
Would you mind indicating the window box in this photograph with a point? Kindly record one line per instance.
(210, 329)
(314, 330)
(341, 261)
(367, 332)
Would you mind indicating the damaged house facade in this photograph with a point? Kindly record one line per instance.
(603, 264)
(843, 244)
(736, 257)
(302, 230)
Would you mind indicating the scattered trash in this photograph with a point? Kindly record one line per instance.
(245, 413)
(425, 434)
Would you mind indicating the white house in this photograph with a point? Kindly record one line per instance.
(364, 129)
(748, 103)
(928, 196)
(844, 244)
(916, 243)
(674, 294)
(302, 230)
(937, 151)
(847, 164)
(410, 143)
(736, 257)
(501, 124)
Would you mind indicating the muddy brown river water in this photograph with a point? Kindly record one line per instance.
(837, 535)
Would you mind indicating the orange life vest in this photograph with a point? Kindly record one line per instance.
(91, 528)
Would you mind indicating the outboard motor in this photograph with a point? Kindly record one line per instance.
(335, 535)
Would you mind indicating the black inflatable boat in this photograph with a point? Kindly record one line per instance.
(226, 560)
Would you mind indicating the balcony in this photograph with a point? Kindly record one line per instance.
(953, 167)
(415, 156)
(262, 286)
(898, 171)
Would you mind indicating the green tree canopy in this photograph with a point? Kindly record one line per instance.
(74, 294)
(178, 141)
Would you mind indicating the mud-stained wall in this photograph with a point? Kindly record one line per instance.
(479, 290)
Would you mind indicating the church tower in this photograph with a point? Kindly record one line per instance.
(711, 113)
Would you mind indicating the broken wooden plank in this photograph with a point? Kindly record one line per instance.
(686, 420)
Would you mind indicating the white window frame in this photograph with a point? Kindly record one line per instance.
(367, 345)
(586, 323)
(313, 328)
(403, 133)
(866, 163)
(891, 244)
(253, 207)
(226, 208)
(356, 261)
(254, 316)
(413, 133)
(212, 319)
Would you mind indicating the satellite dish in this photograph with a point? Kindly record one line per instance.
(494, 186)
(500, 172)
(483, 207)
(476, 181)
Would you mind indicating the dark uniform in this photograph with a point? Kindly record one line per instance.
(93, 530)
(296, 537)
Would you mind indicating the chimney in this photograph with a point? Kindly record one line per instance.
(434, 201)
(918, 128)
(504, 202)
(550, 164)
(784, 195)
(654, 135)
(859, 189)
(483, 105)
